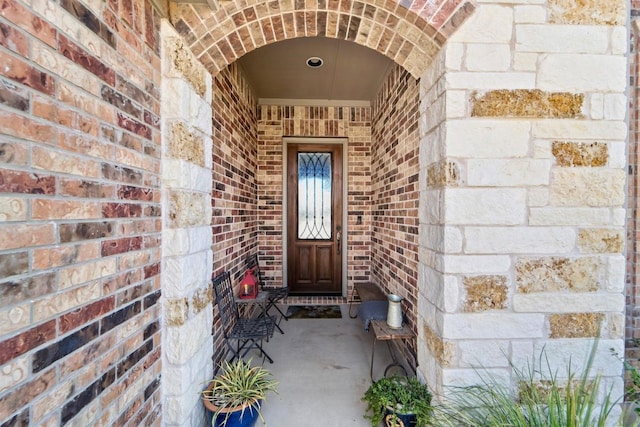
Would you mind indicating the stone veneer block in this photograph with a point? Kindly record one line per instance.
(588, 12)
(588, 187)
(568, 302)
(616, 273)
(442, 350)
(488, 138)
(493, 325)
(183, 342)
(445, 296)
(569, 216)
(575, 325)
(183, 275)
(202, 298)
(587, 130)
(488, 57)
(519, 240)
(601, 240)
(501, 206)
(476, 264)
(185, 241)
(582, 73)
(186, 145)
(485, 293)
(484, 353)
(447, 239)
(188, 209)
(443, 174)
(176, 311)
(554, 274)
(508, 172)
(183, 62)
(560, 351)
(532, 103)
(488, 24)
(580, 154)
(182, 174)
(546, 38)
(487, 80)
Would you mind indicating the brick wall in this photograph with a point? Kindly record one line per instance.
(234, 172)
(234, 219)
(79, 201)
(395, 169)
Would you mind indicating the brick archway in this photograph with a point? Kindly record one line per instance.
(410, 34)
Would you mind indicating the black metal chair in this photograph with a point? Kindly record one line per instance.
(275, 294)
(240, 334)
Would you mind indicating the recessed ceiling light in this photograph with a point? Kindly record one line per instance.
(314, 62)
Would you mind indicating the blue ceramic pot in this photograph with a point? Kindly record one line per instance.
(394, 419)
(235, 418)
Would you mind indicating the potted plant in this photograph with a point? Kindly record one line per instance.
(234, 396)
(399, 401)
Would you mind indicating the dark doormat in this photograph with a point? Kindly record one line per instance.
(314, 312)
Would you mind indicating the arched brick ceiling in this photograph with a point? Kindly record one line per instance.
(408, 32)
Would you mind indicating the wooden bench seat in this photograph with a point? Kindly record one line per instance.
(365, 292)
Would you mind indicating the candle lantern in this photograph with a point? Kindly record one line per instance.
(249, 285)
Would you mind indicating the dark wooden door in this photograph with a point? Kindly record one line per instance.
(314, 219)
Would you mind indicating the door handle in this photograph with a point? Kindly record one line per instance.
(338, 237)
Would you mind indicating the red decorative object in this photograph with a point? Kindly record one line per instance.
(249, 285)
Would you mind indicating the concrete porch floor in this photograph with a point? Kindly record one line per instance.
(322, 366)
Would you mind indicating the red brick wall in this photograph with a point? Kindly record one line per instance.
(234, 172)
(276, 122)
(80, 205)
(234, 196)
(395, 168)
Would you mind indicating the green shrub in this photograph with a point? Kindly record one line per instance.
(401, 394)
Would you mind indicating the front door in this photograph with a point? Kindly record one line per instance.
(314, 219)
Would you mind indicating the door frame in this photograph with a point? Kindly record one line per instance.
(345, 186)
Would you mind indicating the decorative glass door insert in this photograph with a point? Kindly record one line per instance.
(314, 196)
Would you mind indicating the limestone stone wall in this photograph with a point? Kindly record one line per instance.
(186, 233)
(522, 212)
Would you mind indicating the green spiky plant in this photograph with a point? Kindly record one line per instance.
(542, 400)
(240, 386)
(632, 381)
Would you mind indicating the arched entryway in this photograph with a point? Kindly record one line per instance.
(493, 115)
(247, 166)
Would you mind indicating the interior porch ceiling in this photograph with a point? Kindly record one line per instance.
(350, 72)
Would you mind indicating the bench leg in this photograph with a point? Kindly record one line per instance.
(394, 360)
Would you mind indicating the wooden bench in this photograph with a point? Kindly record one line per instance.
(365, 292)
(372, 295)
(382, 332)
